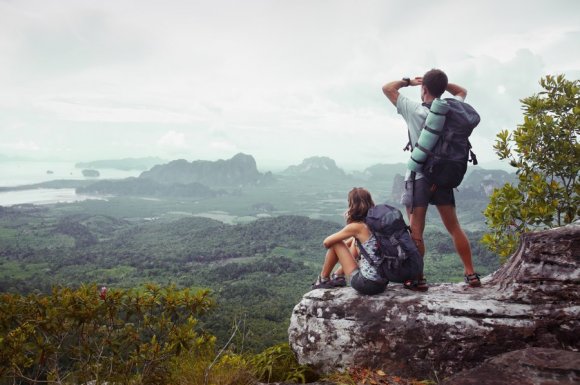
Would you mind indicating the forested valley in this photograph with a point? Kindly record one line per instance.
(136, 281)
(256, 271)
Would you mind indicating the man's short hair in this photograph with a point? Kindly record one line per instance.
(436, 82)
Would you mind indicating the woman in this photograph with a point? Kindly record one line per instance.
(342, 248)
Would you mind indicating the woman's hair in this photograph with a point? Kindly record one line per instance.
(359, 202)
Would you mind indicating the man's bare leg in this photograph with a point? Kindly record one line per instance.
(417, 225)
(449, 218)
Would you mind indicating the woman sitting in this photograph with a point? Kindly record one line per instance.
(342, 248)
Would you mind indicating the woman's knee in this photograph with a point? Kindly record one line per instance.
(339, 246)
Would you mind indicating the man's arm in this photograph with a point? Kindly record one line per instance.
(456, 90)
(391, 90)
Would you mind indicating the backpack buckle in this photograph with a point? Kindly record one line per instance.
(473, 158)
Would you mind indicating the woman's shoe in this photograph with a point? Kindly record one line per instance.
(338, 280)
(320, 284)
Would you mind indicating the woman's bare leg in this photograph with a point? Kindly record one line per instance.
(338, 253)
(351, 244)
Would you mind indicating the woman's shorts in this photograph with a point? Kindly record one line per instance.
(364, 285)
(424, 196)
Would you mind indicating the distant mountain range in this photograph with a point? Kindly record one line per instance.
(316, 167)
(125, 164)
(202, 178)
(238, 171)
(198, 179)
(486, 180)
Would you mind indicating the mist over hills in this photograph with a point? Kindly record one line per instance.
(148, 188)
(242, 170)
(486, 180)
(384, 170)
(208, 179)
(180, 178)
(125, 164)
(316, 167)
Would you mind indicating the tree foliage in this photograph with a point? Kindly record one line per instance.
(257, 271)
(544, 150)
(81, 335)
(145, 336)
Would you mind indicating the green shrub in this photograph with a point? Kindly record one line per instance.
(146, 336)
(278, 363)
(197, 369)
(81, 335)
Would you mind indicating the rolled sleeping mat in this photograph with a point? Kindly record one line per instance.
(428, 137)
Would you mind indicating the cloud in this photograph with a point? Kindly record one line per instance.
(22, 146)
(173, 139)
(281, 80)
(94, 112)
(223, 146)
(55, 42)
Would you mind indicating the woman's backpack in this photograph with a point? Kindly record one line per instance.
(400, 259)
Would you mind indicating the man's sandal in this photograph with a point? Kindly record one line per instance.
(416, 284)
(472, 280)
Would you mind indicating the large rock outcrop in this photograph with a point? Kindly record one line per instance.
(531, 301)
(240, 170)
(531, 366)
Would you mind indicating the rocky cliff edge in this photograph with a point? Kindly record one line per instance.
(531, 301)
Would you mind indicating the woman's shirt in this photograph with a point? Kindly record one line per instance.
(367, 270)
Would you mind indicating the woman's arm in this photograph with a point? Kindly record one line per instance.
(348, 231)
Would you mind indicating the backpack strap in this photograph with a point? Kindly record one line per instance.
(413, 178)
(364, 252)
(409, 146)
(473, 158)
(426, 151)
(434, 132)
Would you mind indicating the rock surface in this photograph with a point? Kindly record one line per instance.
(532, 366)
(531, 301)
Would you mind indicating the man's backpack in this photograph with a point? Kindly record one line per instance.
(399, 257)
(446, 163)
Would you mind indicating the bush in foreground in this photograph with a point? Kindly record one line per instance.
(145, 336)
(81, 335)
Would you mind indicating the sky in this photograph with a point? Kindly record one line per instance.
(281, 80)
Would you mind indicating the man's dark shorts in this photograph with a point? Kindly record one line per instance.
(424, 196)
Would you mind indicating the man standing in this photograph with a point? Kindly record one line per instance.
(433, 84)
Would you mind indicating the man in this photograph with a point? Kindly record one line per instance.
(433, 84)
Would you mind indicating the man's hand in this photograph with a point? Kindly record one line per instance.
(416, 81)
(391, 90)
(456, 90)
